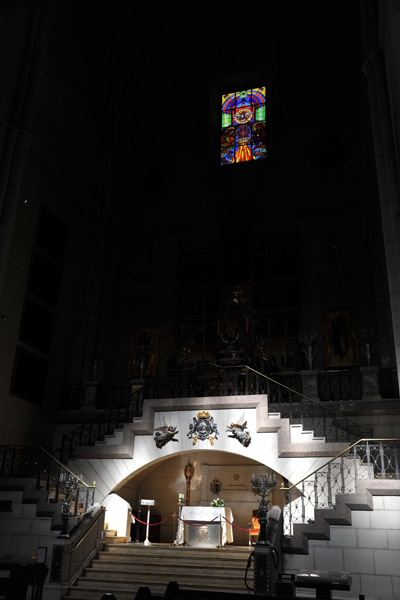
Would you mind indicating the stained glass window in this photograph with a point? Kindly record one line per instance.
(243, 126)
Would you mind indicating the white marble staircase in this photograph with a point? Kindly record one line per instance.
(350, 488)
(113, 439)
(299, 436)
(27, 520)
(123, 569)
(111, 536)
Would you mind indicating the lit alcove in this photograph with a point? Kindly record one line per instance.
(216, 474)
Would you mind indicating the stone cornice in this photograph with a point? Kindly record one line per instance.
(145, 426)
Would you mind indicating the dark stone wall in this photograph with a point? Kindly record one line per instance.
(123, 153)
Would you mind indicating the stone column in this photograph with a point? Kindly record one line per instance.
(19, 129)
(387, 176)
(89, 395)
(310, 383)
(370, 383)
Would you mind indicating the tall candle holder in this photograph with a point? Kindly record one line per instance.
(263, 485)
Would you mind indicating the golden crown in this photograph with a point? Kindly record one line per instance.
(203, 414)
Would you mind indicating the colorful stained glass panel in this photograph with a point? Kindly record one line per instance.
(243, 126)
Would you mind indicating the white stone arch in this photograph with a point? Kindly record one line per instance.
(163, 479)
(133, 449)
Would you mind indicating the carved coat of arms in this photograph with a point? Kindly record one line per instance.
(215, 486)
(203, 428)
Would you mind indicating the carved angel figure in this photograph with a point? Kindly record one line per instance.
(239, 431)
(164, 434)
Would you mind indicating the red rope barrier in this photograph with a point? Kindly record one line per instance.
(152, 524)
(253, 531)
(193, 525)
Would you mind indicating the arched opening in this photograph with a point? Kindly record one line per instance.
(216, 474)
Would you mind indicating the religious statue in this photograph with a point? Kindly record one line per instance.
(188, 472)
(240, 432)
(232, 329)
(164, 434)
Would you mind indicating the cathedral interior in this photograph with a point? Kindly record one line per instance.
(125, 262)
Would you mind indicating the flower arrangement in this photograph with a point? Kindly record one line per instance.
(217, 502)
(367, 338)
(308, 339)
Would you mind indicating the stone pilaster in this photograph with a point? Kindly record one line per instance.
(310, 383)
(387, 177)
(370, 383)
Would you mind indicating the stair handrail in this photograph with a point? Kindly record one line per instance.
(98, 420)
(346, 450)
(54, 459)
(282, 385)
(299, 500)
(105, 416)
(313, 400)
(64, 486)
(86, 535)
(100, 513)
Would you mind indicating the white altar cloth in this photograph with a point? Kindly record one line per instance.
(205, 514)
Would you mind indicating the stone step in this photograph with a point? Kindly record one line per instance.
(300, 435)
(217, 575)
(112, 439)
(123, 568)
(180, 568)
(5, 506)
(21, 509)
(172, 558)
(95, 593)
(18, 483)
(117, 584)
(274, 415)
(180, 552)
(107, 560)
(12, 495)
(156, 549)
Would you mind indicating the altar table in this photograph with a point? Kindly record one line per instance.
(210, 534)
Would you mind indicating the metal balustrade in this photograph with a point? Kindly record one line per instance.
(339, 386)
(366, 459)
(63, 487)
(129, 405)
(284, 397)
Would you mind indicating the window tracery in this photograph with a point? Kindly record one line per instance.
(243, 126)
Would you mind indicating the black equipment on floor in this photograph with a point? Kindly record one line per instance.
(266, 557)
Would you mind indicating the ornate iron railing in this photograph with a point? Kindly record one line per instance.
(72, 397)
(129, 405)
(365, 459)
(62, 485)
(94, 395)
(215, 380)
(339, 386)
(207, 380)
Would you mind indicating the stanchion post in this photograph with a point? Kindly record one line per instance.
(147, 503)
(137, 528)
(220, 528)
(147, 541)
(177, 530)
